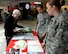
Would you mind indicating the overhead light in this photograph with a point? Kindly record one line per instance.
(37, 2)
(27, 6)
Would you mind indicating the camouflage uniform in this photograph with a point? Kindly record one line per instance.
(57, 35)
(42, 22)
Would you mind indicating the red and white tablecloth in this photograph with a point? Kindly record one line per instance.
(32, 45)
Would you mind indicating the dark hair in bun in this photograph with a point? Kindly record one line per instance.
(57, 3)
(62, 2)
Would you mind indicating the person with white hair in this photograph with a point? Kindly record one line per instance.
(10, 24)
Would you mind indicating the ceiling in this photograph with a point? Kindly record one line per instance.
(14, 2)
(20, 0)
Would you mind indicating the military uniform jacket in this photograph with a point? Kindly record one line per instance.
(57, 35)
(42, 22)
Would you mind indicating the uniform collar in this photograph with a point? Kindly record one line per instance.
(57, 16)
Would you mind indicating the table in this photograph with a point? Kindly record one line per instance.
(33, 44)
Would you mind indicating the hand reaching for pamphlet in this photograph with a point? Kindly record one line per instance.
(14, 30)
(43, 44)
(43, 35)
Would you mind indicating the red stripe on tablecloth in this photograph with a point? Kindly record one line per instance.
(25, 50)
(11, 44)
(34, 33)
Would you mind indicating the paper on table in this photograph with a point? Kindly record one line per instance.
(18, 37)
(35, 49)
(30, 37)
(17, 29)
(32, 53)
(33, 42)
(35, 53)
(26, 36)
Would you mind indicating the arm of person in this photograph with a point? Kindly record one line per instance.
(19, 26)
(47, 21)
(43, 34)
(36, 24)
(16, 25)
(58, 41)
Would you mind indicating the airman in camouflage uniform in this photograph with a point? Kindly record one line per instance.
(57, 35)
(43, 20)
(57, 31)
(65, 13)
